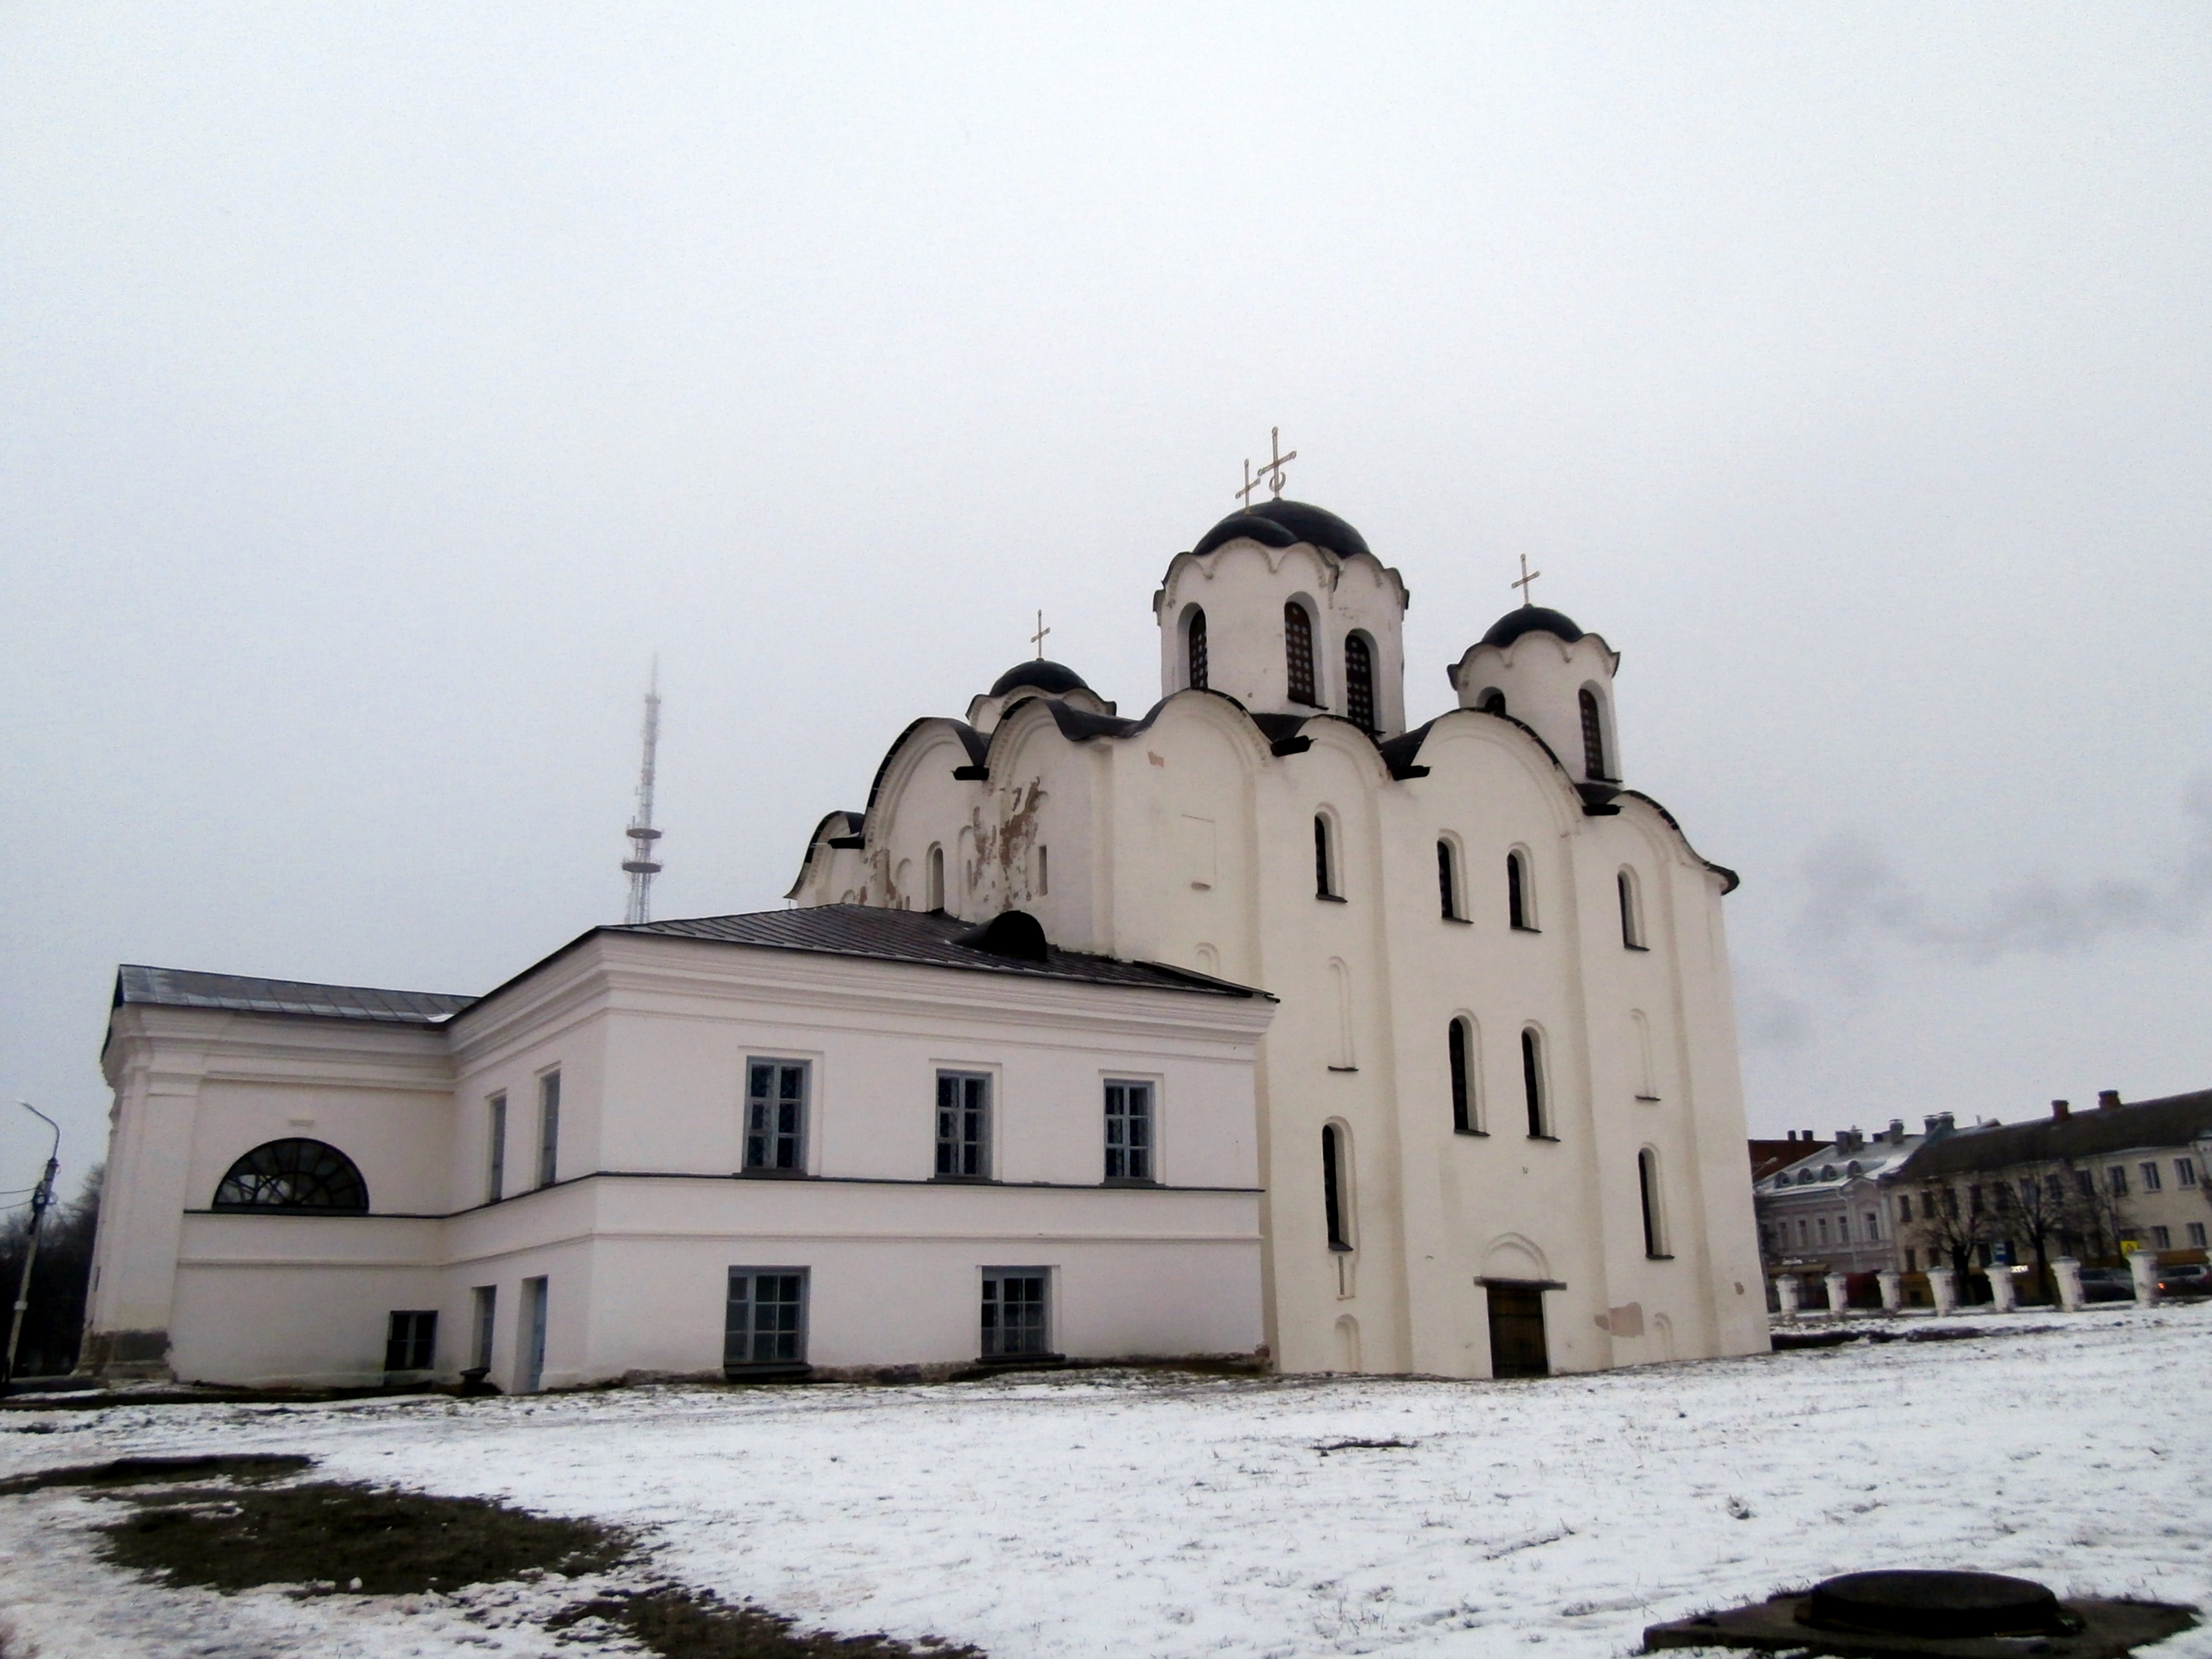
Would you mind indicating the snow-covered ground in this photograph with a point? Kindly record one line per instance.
(1158, 1516)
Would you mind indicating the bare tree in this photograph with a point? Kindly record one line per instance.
(53, 1324)
(1952, 1226)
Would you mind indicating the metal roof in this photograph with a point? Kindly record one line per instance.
(185, 988)
(2174, 1121)
(924, 939)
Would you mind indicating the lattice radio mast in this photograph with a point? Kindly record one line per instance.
(641, 864)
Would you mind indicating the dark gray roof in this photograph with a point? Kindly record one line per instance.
(183, 987)
(1531, 619)
(1055, 677)
(1286, 524)
(926, 939)
(2175, 1120)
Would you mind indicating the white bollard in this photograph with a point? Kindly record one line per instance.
(2142, 1267)
(2067, 1272)
(1893, 1290)
(1785, 1295)
(2004, 1289)
(1944, 1285)
(1839, 1294)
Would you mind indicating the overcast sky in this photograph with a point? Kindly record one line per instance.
(381, 387)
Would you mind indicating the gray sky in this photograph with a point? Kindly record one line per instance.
(380, 386)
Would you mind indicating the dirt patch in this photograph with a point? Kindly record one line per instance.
(149, 1471)
(335, 1536)
(682, 1624)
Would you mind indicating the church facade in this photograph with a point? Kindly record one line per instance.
(1500, 1109)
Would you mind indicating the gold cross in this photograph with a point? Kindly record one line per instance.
(1037, 638)
(1271, 470)
(1526, 577)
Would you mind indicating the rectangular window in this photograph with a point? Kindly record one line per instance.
(1014, 1312)
(411, 1341)
(2116, 1177)
(2197, 1234)
(963, 1127)
(1044, 872)
(2161, 1238)
(1911, 1256)
(765, 1321)
(1128, 1131)
(2085, 1183)
(775, 1115)
(1843, 1229)
(1822, 1223)
(1904, 1206)
(2184, 1172)
(1974, 1200)
(484, 1309)
(549, 1127)
(495, 1159)
(1802, 1238)
(1873, 1229)
(536, 1315)
(2151, 1182)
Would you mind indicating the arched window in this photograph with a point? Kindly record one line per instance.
(1467, 1117)
(1632, 913)
(936, 894)
(1593, 737)
(1532, 1083)
(1655, 1220)
(1520, 907)
(1360, 682)
(1298, 647)
(1194, 647)
(1448, 882)
(1333, 1180)
(294, 1175)
(1324, 859)
(1492, 702)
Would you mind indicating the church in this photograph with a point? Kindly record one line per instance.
(1261, 1025)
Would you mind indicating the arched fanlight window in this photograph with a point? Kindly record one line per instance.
(294, 1175)
(1632, 913)
(1492, 702)
(1532, 1083)
(1520, 910)
(1593, 737)
(1194, 648)
(1459, 1040)
(1333, 1180)
(1360, 682)
(1297, 648)
(1448, 882)
(1324, 859)
(936, 894)
(1654, 1221)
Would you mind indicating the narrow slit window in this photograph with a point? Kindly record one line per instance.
(1297, 648)
(1632, 917)
(1332, 1178)
(1532, 1083)
(1460, 1047)
(486, 1311)
(936, 894)
(495, 1152)
(1360, 682)
(549, 1128)
(1519, 913)
(1593, 737)
(1324, 859)
(1492, 702)
(1128, 1131)
(1447, 881)
(1647, 1183)
(1044, 871)
(1196, 646)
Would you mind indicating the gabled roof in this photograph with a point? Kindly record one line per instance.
(2174, 1121)
(927, 939)
(185, 988)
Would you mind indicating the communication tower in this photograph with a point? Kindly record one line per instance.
(641, 864)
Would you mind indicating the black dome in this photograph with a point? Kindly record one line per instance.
(1051, 677)
(1530, 619)
(1283, 524)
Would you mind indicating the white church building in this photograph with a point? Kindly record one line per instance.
(1261, 1025)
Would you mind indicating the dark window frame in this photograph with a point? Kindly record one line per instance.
(764, 1318)
(1594, 758)
(1299, 654)
(1131, 1137)
(1459, 1047)
(776, 1122)
(1194, 647)
(1359, 681)
(1333, 1185)
(410, 1340)
(1016, 1316)
(963, 1125)
(296, 1174)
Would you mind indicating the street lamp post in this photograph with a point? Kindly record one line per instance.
(40, 1199)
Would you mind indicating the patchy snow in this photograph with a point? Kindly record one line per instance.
(1168, 1516)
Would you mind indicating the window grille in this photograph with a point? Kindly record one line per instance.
(411, 1341)
(294, 1175)
(765, 1321)
(1360, 682)
(1128, 1131)
(1014, 1312)
(964, 1101)
(1593, 737)
(1197, 646)
(1297, 646)
(775, 1115)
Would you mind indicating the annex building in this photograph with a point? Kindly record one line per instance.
(1267, 1022)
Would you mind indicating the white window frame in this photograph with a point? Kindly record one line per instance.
(1150, 1086)
(778, 1064)
(987, 1141)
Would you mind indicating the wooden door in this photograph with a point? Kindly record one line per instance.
(1517, 1332)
